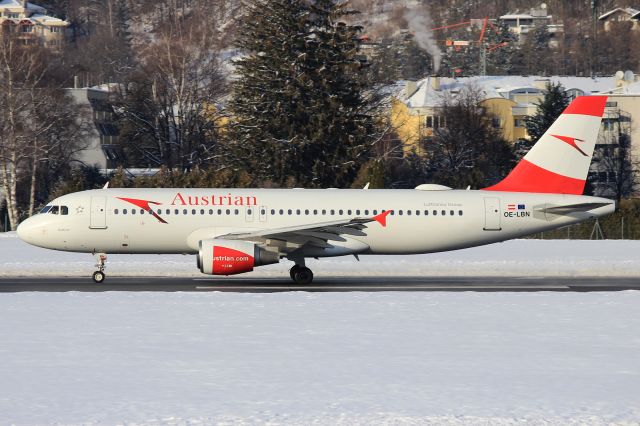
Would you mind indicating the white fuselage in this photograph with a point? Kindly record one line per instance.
(99, 221)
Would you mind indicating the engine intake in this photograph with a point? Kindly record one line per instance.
(224, 257)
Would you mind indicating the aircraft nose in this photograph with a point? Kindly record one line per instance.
(25, 231)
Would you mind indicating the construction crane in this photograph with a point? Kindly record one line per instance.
(481, 42)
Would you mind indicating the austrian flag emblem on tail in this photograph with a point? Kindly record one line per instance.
(572, 142)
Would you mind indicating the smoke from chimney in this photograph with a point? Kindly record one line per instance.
(420, 24)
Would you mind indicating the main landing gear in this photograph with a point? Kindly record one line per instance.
(301, 274)
(99, 276)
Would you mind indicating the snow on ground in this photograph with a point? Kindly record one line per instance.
(511, 258)
(324, 358)
(405, 358)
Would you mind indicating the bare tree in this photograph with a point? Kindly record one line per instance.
(169, 111)
(36, 123)
(466, 147)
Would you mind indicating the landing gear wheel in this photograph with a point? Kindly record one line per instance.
(101, 258)
(293, 271)
(303, 275)
(98, 276)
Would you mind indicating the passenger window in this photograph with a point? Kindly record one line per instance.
(236, 211)
(392, 213)
(417, 212)
(408, 212)
(426, 212)
(281, 212)
(219, 212)
(324, 212)
(249, 211)
(333, 212)
(399, 212)
(366, 212)
(451, 213)
(298, 212)
(228, 212)
(210, 212)
(444, 212)
(115, 211)
(141, 211)
(315, 212)
(185, 212)
(375, 212)
(349, 212)
(124, 211)
(177, 212)
(273, 212)
(193, 211)
(435, 212)
(159, 211)
(133, 211)
(459, 212)
(306, 212)
(167, 211)
(64, 210)
(340, 212)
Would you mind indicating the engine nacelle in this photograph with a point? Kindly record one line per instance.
(228, 257)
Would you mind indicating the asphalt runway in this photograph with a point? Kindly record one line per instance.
(320, 284)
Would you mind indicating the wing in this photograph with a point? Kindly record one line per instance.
(292, 238)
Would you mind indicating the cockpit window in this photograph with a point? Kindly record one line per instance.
(55, 210)
(64, 210)
(45, 209)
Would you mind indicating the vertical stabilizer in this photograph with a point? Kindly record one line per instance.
(559, 162)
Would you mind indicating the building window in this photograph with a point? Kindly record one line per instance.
(54, 29)
(27, 29)
(495, 123)
(429, 122)
(518, 122)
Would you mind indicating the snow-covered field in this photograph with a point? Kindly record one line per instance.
(299, 358)
(324, 358)
(511, 258)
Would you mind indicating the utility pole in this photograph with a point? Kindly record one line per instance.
(594, 44)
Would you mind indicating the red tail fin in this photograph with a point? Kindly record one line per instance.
(559, 161)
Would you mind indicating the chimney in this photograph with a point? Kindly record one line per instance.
(435, 82)
(410, 88)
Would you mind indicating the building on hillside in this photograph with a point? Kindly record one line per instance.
(619, 14)
(523, 23)
(416, 109)
(31, 24)
(103, 149)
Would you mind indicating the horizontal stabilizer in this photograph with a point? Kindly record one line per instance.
(574, 208)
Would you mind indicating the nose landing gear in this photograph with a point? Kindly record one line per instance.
(99, 276)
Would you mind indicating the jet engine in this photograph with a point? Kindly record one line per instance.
(229, 257)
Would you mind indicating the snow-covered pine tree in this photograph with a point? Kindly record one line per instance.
(555, 100)
(301, 116)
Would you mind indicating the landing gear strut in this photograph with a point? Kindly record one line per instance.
(99, 276)
(301, 274)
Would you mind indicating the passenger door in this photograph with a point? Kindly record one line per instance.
(98, 218)
(492, 214)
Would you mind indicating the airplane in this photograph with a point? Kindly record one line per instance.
(232, 231)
